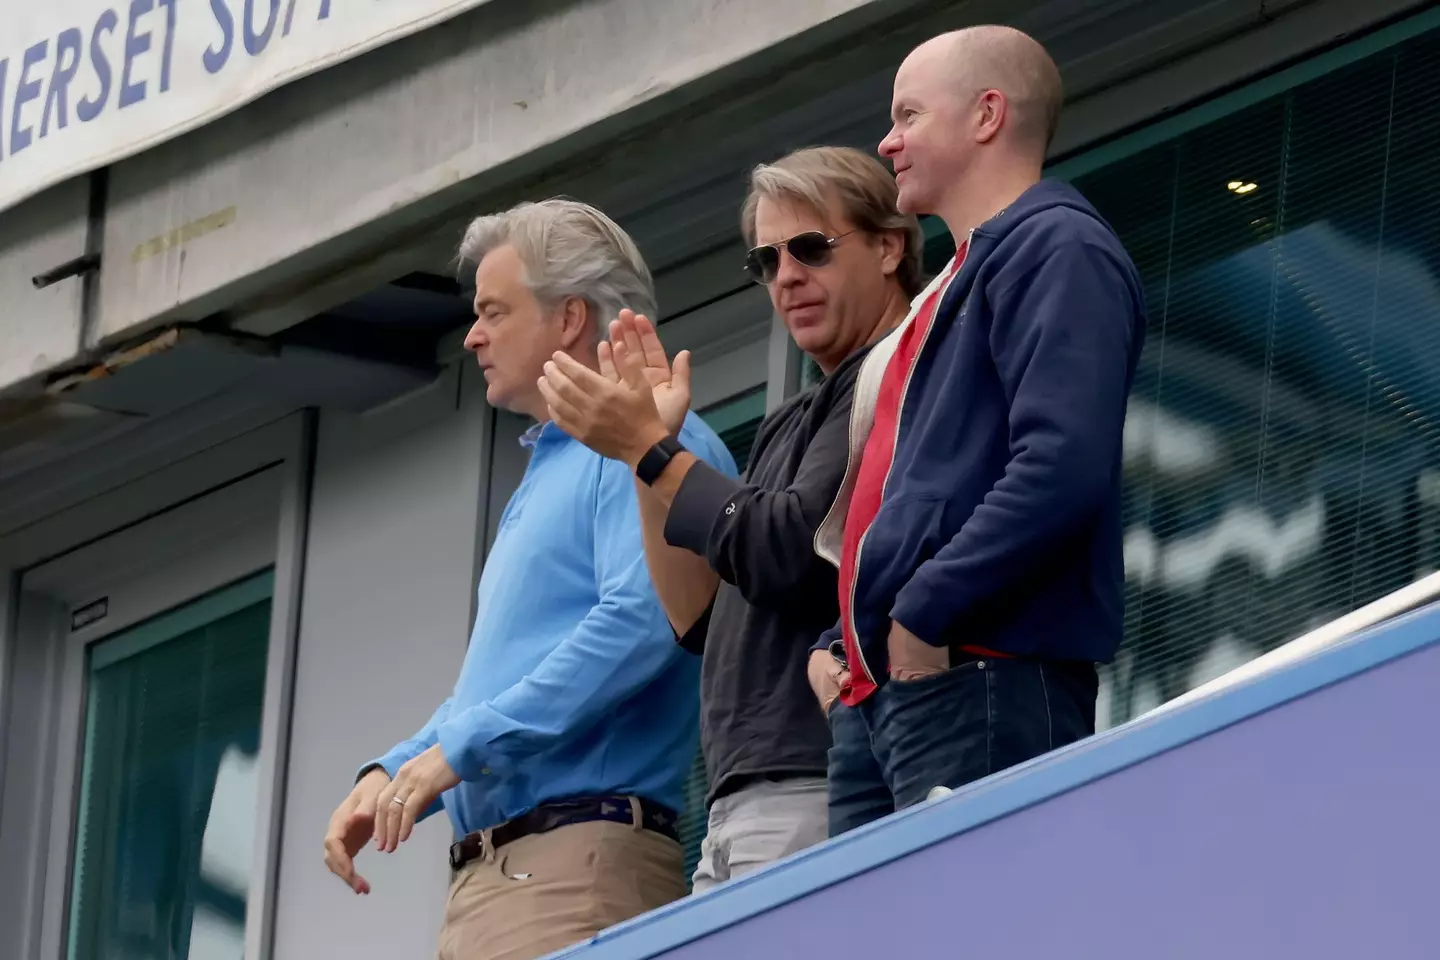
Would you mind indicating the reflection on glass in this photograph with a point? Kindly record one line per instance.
(165, 834)
(1281, 450)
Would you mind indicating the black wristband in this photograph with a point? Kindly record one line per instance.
(656, 459)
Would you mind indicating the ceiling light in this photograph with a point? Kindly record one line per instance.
(1241, 187)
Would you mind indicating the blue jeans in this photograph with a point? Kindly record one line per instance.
(974, 719)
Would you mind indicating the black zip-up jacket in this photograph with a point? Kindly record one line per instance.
(776, 596)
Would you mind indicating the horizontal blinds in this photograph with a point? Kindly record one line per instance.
(165, 725)
(1281, 445)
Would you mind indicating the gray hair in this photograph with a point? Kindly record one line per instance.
(569, 249)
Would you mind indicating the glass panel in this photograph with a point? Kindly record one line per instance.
(165, 835)
(1282, 436)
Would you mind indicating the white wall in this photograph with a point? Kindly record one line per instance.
(41, 327)
(391, 563)
(34, 658)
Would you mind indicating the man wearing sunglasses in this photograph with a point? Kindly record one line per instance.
(840, 265)
(979, 535)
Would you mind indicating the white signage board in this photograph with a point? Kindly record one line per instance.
(84, 83)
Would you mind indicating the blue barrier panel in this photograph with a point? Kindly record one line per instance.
(1295, 815)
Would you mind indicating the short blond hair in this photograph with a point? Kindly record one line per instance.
(822, 177)
(569, 249)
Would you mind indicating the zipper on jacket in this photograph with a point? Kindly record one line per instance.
(849, 463)
(852, 456)
(895, 450)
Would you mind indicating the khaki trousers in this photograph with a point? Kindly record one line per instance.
(550, 890)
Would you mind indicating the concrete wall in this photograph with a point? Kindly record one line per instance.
(396, 521)
(41, 328)
(395, 133)
(33, 656)
(658, 133)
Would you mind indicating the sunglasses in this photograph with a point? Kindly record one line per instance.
(809, 249)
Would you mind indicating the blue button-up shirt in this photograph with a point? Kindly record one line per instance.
(573, 684)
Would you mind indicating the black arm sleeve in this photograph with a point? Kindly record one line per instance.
(693, 640)
(763, 541)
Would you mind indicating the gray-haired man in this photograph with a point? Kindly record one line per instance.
(562, 788)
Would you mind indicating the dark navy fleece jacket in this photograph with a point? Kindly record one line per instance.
(1000, 525)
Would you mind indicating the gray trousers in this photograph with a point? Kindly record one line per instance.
(759, 824)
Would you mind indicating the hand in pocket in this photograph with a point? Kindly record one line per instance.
(912, 658)
(827, 678)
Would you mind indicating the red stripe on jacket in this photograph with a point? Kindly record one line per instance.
(875, 461)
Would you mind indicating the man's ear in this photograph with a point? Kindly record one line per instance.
(992, 111)
(575, 324)
(892, 251)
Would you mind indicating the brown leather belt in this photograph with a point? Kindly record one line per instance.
(563, 813)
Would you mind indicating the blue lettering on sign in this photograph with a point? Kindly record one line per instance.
(40, 84)
(135, 44)
(169, 47)
(88, 109)
(25, 91)
(67, 61)
(255, 43)
(215, 57)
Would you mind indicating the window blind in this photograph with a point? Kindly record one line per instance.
(173, 711)
(1281, 443)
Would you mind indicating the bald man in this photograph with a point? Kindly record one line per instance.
(978, 531)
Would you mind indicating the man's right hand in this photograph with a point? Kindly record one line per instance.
(351, 826)
(670, 384)
(827, 677)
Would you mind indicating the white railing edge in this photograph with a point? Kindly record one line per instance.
(1341, 628)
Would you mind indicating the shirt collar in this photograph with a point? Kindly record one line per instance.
(538, 431)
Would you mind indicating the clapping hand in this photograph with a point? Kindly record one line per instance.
(634, 401)
(670, 385)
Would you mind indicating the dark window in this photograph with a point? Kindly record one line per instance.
(1281, 441)
(165, 837)
(736, 420)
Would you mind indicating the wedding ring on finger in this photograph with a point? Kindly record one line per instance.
(397, 800)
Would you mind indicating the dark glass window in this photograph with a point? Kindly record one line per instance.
(1281, 445)
(165, 838)
(736, 420)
